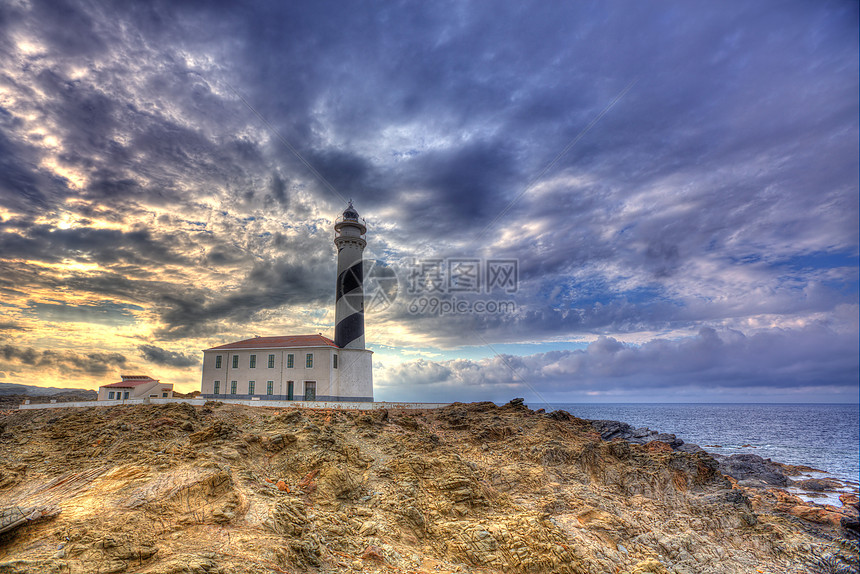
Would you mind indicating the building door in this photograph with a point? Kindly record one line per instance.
(310, 390)
(289, 390)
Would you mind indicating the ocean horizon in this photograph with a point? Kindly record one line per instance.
(825, 436)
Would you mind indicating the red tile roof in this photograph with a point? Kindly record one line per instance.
(281, 342)
(131, 381)
(130, 384)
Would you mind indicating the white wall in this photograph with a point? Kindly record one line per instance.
(355, 374)
(139, 391)
(322, 373)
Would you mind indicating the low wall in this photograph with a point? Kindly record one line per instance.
(364, 406)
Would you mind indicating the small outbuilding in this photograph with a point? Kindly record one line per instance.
(136, 387)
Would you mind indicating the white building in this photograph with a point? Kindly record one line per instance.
(136, 387)
(305, 367)
(288, 368)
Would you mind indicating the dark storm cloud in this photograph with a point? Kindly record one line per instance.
(104, 312)
(65, 362)
(268, 285)
(160, 356)
(105, 246)
(558, 293)
(184, 309)
(85, 114)
(465, 180)
(142, 126)
(279, 191)
(188, 310)
(21, 187)
(472, 75)
(73, 31)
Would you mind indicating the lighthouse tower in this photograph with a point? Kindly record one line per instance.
(349, 295)
(304, 367)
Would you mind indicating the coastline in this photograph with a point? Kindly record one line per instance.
(471, 488)
(821, 436)
(797, 489)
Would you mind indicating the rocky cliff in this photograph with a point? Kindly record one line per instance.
(468, 488)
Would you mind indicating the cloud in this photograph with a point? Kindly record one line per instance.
(720, 190)
(106, 313)
(779, 360)
(161, 356)
(48, 243)
(63, 362)
(265, 287)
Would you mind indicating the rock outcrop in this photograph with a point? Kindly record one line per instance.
(762, 480)
(752, 470)
(610, 430)
(468, 488)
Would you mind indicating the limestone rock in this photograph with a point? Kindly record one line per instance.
(218, 430)
(288, 517)
(650, 565)
(334, 482)
(465, 488)
(186, 564)
(373, 553)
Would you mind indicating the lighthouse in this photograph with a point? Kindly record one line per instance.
(349, 230)
(309, 368)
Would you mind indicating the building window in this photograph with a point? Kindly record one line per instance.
(271, 361)
(110, 395)
(125, 395)
(270, 387)
(217, 388)
(251, 385)
(289, 390)
(290, 360)
(233, 385)
(253, 363)
(217, 361)
(235, 361)
(119, 395)
(334, 361)
(164, 395)
(309, 361)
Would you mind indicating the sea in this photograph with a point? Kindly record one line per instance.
(823, 436)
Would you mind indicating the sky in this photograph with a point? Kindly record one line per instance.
(566, 201)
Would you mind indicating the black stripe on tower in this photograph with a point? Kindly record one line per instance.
(349, 280)
(349, 330)
(349, 288)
